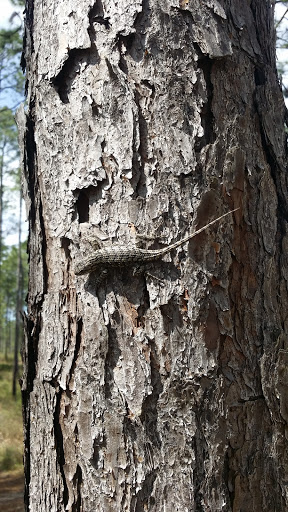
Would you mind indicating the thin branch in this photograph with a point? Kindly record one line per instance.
(281, 19)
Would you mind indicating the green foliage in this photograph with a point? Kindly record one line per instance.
(11, 92)
(11, 457)
(9, 149)
(8, 294)
(18, 2)
(11, 436)
(9, 264)
(11, 76)
(9, 170)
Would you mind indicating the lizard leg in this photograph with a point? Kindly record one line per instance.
(144, 269)
(138, 269)
(148, 274)
(95, 242)
(96, 279)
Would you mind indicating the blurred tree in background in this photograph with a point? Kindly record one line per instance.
(13, 260)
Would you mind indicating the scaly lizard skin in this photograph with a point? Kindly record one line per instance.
(119, 255)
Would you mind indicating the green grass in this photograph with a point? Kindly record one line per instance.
(11, 432)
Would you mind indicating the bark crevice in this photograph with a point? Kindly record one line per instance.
(30, 165)
(144, 499)
(96, 15)
(137, 43)
(29, 362)
(111, 358)
(59, 445)
(149, 413)
(77, 483)
(77, 57)
(99, 444)
(200, 449)
(78, 343)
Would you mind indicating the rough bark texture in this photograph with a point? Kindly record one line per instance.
(164, 391)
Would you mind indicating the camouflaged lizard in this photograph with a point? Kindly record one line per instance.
(120, 255)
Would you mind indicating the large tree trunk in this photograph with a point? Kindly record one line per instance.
(165, 390)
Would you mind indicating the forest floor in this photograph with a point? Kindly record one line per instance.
(12, 491)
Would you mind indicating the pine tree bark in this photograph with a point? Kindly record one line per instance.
(164, 390)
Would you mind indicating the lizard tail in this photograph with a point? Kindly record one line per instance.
(188, 237)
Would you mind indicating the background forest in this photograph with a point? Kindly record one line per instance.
(13, 257)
